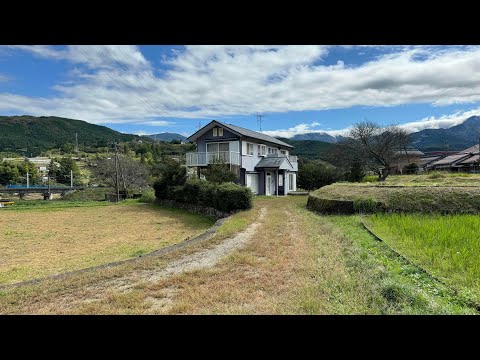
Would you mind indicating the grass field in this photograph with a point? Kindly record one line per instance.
(40, 238)
(447, 246)
(297, 263)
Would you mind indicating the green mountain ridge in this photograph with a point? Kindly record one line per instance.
(31, 135)
(309, 149)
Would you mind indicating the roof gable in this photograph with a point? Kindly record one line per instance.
(240, 132)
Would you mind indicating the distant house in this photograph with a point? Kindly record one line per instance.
(466, 160)
(405, 157)
(262, 163)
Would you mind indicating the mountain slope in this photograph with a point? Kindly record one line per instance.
(457, 137)
(166, 136)
(308, 149)
(36, 134)
(318, 136)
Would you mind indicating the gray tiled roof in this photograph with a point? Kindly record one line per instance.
(255, 135)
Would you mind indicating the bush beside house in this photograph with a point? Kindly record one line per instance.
(225, 198)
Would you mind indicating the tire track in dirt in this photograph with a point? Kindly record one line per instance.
(199, 260)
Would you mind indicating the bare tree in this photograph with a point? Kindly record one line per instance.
(131, 173)
(375, 147)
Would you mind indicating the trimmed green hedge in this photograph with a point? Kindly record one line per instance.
(226, 197)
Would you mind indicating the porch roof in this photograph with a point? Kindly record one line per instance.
(275, 162)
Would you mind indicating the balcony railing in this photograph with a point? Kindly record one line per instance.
(292, 159)
(205, 158)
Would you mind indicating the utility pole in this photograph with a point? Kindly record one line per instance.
(116, 172)
(259, 120)
(71, 178)
(76, 142)
(28, 180)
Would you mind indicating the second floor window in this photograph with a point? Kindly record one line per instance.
(262, 150)
(272, 150)
(217, 131)
(249, 149)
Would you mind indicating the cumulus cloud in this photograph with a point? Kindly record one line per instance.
(441, 122)
(118, 84)
(304, 129)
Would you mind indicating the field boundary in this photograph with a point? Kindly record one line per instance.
(452, 289)
(180, 245)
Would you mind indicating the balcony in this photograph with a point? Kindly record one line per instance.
(206, 158)
(292, 159)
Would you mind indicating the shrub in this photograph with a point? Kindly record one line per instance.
(147, 197)
(313, 175)
(411, 168)
(173, 175)
(232, 197)
(226, 197)
(370, 178)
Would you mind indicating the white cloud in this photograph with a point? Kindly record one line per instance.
(141, 133)
(303, 129)
(118, 84)
(441, 122)
(157, 123)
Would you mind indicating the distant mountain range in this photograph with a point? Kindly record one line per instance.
(32, 135)
(317, 136)
(166, 136)
(457, 137)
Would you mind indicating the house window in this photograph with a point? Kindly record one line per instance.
(283, 152)
(290, 182)
(220, 131)
(215, 131)
(250, 149)
(262, 150)
(212, 147)
(272, 150)
(216, 147)
(280, 179)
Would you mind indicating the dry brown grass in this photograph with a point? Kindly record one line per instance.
(297, 263)
(38, 243)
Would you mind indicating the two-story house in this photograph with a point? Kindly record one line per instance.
(263, 163)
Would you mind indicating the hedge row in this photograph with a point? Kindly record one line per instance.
(225, 197)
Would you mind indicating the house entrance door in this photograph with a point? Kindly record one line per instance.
(269, 184)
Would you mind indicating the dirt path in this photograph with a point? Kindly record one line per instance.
(199, 260)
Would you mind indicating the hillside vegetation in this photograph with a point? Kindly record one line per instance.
(37, 134)
(434, 193)
(309, 149)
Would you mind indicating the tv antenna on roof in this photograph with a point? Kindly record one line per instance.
(259, 120)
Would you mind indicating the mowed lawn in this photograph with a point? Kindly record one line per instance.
(446, 246)
(36, 241)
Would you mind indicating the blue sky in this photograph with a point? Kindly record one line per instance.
(152, 89)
